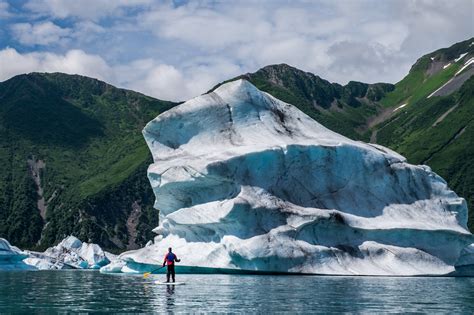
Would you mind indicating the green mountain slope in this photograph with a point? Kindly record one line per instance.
(430, 72)
(436, 127)
(439, 132)
(73, 160)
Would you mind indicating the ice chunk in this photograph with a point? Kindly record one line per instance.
(94, 255)
(11, 258)
(71, 242)
(70, 253)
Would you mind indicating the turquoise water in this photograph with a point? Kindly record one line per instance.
(87, 291)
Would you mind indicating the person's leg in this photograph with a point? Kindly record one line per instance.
(168, 273)
(172, 272)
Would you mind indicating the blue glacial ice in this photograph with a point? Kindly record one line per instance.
(11, 257)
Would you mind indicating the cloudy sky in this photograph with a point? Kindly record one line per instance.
(175, 50)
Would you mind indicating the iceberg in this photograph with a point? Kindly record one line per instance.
(247, 183)
(11, 257)
(70, 253)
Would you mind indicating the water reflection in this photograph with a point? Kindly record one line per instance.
(169, 297)
(50, 292)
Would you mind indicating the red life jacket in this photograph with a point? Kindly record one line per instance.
(169, 258)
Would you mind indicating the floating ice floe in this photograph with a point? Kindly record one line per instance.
(70, 253)
(11, 257)
(247, 183)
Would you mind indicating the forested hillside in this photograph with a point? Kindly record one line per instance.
(73, 161)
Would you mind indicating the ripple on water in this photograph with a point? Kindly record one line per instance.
(88, 291)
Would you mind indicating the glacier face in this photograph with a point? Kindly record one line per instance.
(244, 181)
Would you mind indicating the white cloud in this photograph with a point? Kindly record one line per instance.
(361, 61)
(178, 51)
(73, 62)
(164, 80)
(84, 9)
(168, 82)
(435, 24)
(160, 80)
(13, 63)
(205, 27)
(312, 35)
(4, 9)
(85, 32)
(43, 33)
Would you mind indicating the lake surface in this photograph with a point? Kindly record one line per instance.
(88, 291)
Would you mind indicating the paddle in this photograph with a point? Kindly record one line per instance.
(146, 274)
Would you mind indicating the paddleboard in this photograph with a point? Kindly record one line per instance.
(168, 283)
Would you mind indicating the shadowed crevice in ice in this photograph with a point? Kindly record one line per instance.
(241, 221)
(438, 243)
(194, 189)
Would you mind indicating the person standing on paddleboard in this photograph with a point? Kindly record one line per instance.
(170, 258)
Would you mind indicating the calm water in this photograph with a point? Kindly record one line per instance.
(87, 291)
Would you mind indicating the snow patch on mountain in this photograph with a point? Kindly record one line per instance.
(400, 107)
(466, 64)
(460, 57)
(246, 182)
(70, 253)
